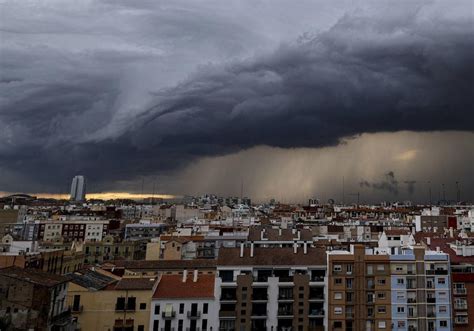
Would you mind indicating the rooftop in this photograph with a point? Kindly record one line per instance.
(173, 287)
(33, 276)
(272, 256)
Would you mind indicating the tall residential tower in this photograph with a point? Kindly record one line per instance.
(78, 188)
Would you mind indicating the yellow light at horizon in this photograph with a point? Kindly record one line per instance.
(101, 195)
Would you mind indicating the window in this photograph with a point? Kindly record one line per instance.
(400, 295)
(382, 324)
(337, 324)
(156, 325)
(370, 269)
(205, 308)
(141, 328)
(131, 304)
(401, 324)
(443, 309)
(120, 304)
(381, 281)
(398, 268)
(380, 267)
(157, 309)
(400, 281)
(337, 310)
(181, 308)
(337, 295)
(204, 325)
(381, 310)
(349, 268)
(443, 324)
(381, 295)
(400, 310)
(180, 325)
(337, 267)
(142, 306)
(337, 281)
(441, 280)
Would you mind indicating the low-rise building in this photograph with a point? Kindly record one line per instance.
(33, 300)
(184, 302)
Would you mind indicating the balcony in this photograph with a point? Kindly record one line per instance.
(460, 291)
(76, 309)
(227, 314)
(194, 314)
(461, 320)
(460, 306)
(411, 300)
(437, 272)
(316, 313)
(282, 312)
(168, 315)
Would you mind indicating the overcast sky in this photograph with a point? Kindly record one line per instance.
(199, 96)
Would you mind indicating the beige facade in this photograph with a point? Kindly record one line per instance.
(103, 310)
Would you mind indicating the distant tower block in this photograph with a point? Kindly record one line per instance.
(78, 188)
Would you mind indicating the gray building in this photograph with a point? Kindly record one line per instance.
(78, 188)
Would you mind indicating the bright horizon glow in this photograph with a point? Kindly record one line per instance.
(101, 195)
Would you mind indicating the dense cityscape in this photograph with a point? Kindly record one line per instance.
(213, 263)
(236, 165)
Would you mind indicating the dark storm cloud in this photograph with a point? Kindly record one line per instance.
(400, 71)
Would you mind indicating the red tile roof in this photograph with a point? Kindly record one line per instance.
(173, 287)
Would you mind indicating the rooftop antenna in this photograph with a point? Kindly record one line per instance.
(458, 192)
(343, 192)
(429, 183)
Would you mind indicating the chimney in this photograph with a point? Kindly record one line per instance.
(279, 232)
(241, 249)
(251, 249)
(305, 247)
(428, 240)
(295, 247)
(195, 276)
(185, 275)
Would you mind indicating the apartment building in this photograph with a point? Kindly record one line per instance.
(101, 301)
(358, 290)
(271, 288)
(33, 300)
(111, 248)
(184, 302)
(421, 290)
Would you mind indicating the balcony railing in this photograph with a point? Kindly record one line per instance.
(437, 272)
(460, 290)
(316, 312)
(194, 314)
(460, 306)
(461, 320)
(76, 309)
(170, 314)
(285, 312)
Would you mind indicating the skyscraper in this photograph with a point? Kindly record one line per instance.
(78, 188)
